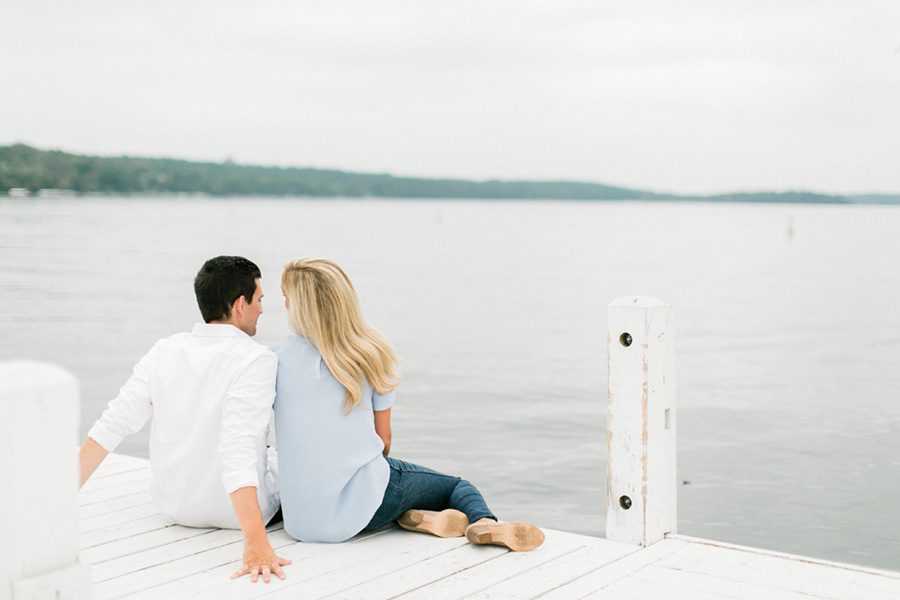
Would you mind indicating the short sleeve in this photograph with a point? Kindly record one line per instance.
(383, 401)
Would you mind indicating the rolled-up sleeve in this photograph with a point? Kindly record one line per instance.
(129, 411)
(383, 401)
(245, 417)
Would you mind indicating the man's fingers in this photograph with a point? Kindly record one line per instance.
(278, 572)
(254, 574)
(283, 561)
(240, 572)
(265, 574)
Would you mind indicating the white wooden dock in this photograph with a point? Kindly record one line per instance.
(133, 552)
(116, 545)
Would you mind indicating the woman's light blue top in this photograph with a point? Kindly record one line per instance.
(332, 474)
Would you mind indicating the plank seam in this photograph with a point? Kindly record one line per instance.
(165, 562)
(189, 537)
(127, 536)
(558, 557)
(788, 556)
(609, 564)
(376, 578)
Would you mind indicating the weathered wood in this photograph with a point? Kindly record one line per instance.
(605, 574)
(215, 581)
(169, 561)
(142, 574)
(111, 505)
(502, 568)
(656, 581)
(394, 583)
(390, 552)
(641, 492)
(38, 526)
(798, 574)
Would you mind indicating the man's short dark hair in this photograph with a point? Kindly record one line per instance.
(220, 282)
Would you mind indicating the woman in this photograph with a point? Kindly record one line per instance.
(336, 385)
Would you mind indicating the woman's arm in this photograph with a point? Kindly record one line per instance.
(383, 428)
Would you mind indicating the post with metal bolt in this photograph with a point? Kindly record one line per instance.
(641, 491)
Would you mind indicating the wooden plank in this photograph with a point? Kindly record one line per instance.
(553, 574)
(776, 553)
(411, 577)
(141, 474)
(177, 567)
(635, 587)
(501, 568)
(140, 542)
(113, 504)
(604, 575)
(143, 559)
(119, 531)
(605, 594)
(119, 490)
(323, 575)
(801, 576)
(118, 517)
(659, 582)
(217, 577)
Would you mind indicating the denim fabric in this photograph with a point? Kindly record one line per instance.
(413, 486)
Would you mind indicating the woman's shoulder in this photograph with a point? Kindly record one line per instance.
(292, 344)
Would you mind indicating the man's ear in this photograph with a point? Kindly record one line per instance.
(238, 306)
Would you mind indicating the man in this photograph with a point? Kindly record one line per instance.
(210, 393)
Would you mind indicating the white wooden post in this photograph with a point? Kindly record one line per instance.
(641, 491)
(39, 479)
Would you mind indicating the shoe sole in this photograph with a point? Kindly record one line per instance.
(518, 537)
(445, 523)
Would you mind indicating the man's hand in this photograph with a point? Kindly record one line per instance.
(260, 559)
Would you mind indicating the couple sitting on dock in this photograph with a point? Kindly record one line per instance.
(211, 394)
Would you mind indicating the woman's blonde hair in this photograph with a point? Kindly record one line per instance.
(323, 307)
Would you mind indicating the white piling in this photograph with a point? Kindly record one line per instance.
(641, 490)
(38, 471)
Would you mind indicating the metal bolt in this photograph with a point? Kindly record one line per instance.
(625, 339)
(625, 502)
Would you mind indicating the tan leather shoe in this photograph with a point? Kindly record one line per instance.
(517, 536)
(445, 523)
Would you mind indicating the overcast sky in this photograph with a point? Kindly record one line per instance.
(687, 96)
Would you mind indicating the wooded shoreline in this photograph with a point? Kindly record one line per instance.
(25, 171)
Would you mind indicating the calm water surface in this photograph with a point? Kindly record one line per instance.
(788, 342)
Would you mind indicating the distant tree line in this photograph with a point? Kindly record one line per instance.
(32, 169)
(22, 166)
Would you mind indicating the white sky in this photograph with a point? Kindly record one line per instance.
(687, 96)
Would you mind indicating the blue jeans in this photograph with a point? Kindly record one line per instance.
(412, 486)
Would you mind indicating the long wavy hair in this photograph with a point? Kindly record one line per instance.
(323, 307)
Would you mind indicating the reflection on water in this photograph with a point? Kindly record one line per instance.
(788, 338)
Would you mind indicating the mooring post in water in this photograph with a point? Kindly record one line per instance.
(641, 491)
(39, 474)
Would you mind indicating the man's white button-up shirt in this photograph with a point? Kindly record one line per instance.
(210, 393)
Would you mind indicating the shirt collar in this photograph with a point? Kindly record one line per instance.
(218, 330)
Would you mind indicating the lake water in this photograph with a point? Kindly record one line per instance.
(788, 339)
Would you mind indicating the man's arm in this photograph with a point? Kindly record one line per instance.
(89, 458)
(259, 557)
(127, 413)
(245, 419)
